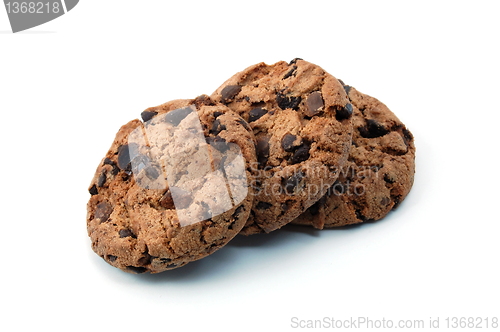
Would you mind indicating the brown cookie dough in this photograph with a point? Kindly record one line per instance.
(140, 222)
(378, 175)
(301, 118)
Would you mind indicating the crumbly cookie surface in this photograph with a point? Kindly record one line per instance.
(164, 197)
(301, 118)
(378, 175)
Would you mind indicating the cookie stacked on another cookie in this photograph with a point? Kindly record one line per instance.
(275, 144)
(302, 120)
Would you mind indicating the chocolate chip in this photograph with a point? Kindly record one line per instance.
(302, 154)
(290, 73)
(347, 88)
(314, 104)
(408, 136)
(218, 143)
(262, 151)
(389, 179)
(287, 142)
(360, 216)
(93, 190)
(217, 127)
(290, 184)
(294, 61)
(314, 209)
(263, 205)
(176, 116)
(145, 260)
(137, 269)
(244, 124)
(372, 129)
(166, 201)
(229, 92)
(385, 200)
(344, 112)
(103, 211)
(237, 212)
(111, 258)
(126, 233)
(101, 180)
(152, 172)
(203, 100)
(256, 113)
(285, 102)
(115, 169)
(217, 114)
(124, 152)
(148, 115)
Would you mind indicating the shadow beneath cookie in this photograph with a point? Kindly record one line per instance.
(241, 254)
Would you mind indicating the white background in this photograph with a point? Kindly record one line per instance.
(67, 86)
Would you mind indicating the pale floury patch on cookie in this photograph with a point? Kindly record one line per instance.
(170, 151)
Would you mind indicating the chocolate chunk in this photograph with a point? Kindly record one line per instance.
(407, 135)
(103, 211)
(217, 114)
(101, 180)
(218, 143)
(262, 151)
(237, 212)
(244, 124)
(176, 116)
(137, 269)
(166, 201)
(126, 233)
(347, 88)
(314, 104)
(148, 115)
(145, 260)
(385, 200)
(290, 73)
(124, 153)
(302, 154)
(263, 205)
(217, 127)
(115, 169)
(93, 190)
(256, 113)
(344, 113)
(285, 102)
(372, 129)
(290, 184)
(360, 216)
(287, 142)
(229, 92)
(152, 172)
(389, 179)
(108, 161)
(111, 258)
(294, 61)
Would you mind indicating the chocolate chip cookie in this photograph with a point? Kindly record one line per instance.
(301, 118)
(379, 173)
(172, 188)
